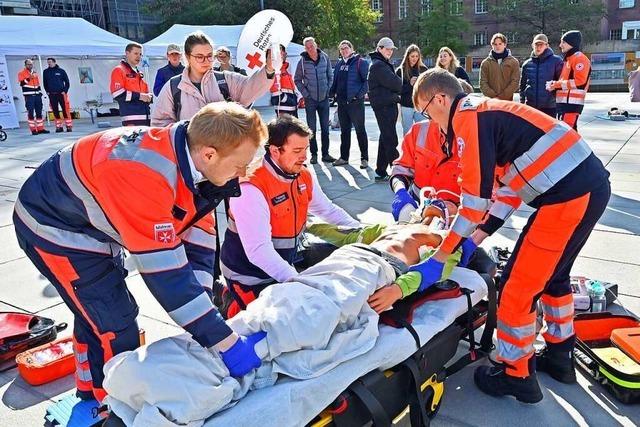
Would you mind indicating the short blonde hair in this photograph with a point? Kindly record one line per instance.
(224, 126)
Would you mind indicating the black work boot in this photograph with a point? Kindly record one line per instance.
(494, 381)
(560, 365)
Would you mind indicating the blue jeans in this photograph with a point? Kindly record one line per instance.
(409, 117)
(322, 109)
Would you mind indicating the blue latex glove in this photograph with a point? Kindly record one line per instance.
(401, 199)
(468, 248)
(241, 357)
(430, 272)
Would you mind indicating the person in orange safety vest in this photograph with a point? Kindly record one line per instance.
(265, 241)
(572, 85)
(150, 191)
(547, 165)
(283, 90)
(30, 84)
(129, 89)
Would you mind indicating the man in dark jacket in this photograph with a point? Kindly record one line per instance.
(313, 79)
(56, 84)
(173, 68)
(348, 89)
(384, 94)
(543, 66)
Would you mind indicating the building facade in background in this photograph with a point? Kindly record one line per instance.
(125, 18)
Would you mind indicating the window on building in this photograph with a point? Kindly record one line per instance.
(615, 34)
(456, 7)
(633, 34)
(402, 9)
(481, 6)
(427, 6)
(480, 39)
(512, 37)
(625, 4)
(511, 4)
(376, 6)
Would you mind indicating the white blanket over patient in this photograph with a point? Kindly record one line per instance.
(316, 327)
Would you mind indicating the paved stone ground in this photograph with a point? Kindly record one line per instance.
(611, 254)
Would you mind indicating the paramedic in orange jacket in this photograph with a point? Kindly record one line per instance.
(30, 84)
(544, 163)
(150, 191)
(572, 86)
(129, 89)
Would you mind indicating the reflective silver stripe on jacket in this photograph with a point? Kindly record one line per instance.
(555, 171)
(422, 135)
(193, 310)
(95, 213)
(131, 151)
(64, 238)
(204, 278)
(278, 242)
(241, 278)
(199, 237)
(474, 202)
(462, 226)
(402, 170)
(153, 262)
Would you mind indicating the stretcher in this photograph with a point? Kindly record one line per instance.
(376, 386)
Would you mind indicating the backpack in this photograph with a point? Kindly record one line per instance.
(176, 93)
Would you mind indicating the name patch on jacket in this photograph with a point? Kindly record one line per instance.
(164, 233)
(279, 199)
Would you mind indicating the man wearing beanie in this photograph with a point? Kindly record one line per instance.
(573, 84)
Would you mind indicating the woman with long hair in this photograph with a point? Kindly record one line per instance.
(408, 71)
(449, 61)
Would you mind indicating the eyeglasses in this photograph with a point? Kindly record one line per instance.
(424, 113)
(201, 58)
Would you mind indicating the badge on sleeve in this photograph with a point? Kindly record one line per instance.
(164, 233)
(579, 66)
(460, 143)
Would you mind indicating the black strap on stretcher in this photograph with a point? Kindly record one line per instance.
(486, 342)
(379, 415)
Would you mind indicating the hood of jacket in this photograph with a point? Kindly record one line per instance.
(306, 56)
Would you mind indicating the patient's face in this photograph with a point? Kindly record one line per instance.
(292, 155)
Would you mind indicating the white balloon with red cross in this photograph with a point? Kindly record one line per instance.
(266, 29)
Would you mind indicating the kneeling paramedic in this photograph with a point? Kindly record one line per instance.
(267, 222)
(544, 163)
(151, 191)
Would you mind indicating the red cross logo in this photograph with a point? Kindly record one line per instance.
(165, 237)
(254, 60)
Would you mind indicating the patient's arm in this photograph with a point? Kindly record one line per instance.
(341, 236)
(407, 284)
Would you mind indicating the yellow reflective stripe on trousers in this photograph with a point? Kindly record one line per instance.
(153, 262)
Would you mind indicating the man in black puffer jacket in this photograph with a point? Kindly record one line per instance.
(384, 94)
(543, 66)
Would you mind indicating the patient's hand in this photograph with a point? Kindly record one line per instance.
(384, 298)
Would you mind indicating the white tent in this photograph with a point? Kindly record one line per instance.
(222, 35)
(80, 48)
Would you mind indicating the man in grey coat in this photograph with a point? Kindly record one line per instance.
(313, 79)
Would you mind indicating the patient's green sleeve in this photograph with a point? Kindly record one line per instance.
(341, 236)
(410, 282)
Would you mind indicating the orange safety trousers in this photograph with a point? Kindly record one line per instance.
(570, 118)
(539, 269)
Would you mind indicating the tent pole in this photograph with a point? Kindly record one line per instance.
(45, 106)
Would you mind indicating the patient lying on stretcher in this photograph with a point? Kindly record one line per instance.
(408, 243)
